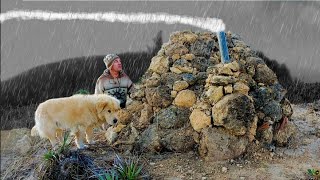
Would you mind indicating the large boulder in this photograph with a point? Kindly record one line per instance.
(235, 112)
(216, 145)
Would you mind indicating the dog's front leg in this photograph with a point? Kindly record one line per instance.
(79, 139)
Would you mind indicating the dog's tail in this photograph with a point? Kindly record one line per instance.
(34, 131)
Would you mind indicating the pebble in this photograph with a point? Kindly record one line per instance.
(204, 178)
(224, 169)
(152, 163)
(239, 165)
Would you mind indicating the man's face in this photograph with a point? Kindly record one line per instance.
(116, 65)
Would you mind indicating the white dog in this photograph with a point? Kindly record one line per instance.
(78, 113)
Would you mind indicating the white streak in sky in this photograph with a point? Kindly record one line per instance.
(211, 24)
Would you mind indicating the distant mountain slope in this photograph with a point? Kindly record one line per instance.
(68, 76)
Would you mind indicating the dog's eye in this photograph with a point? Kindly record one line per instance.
(109, 111)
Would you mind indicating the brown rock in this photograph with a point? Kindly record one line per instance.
(235, 112)
(172, 49)
(286, 108)
(228, 89)
(224, 70)
(180, 85)
(188, 57)
(214, 93)
(159, 64)
(124, 116)
(175, 57)
(175, 70)
(240, 87)
(199, 120)
(220, 80)
(185, 98)
(145, 117)
(234, 66)
(253, 129)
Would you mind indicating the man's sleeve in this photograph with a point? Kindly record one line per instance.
(98, 87)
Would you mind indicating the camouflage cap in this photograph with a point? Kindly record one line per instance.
(108, 59)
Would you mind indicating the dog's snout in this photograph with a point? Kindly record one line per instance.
(115, 121)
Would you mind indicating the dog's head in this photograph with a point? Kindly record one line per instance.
(107, 109)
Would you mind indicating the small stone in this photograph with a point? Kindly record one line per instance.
(175, 57)
(220, 80)
(175, 70)
(224, 170)
(180, 85)
(185, 98)
(199, 120)
(214, 93)
(188, 57)
(228, 89)
(159, 64)
(225, 71)
(174, 94)
(241, 88)
(152, 163)
(234, 66)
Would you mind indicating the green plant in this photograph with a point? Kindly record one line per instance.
(110, 175)
(50, 156)
(315, 174)
(127, 169)
(82, 91)
(66, 145)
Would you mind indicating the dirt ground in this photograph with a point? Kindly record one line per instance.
(19, 160)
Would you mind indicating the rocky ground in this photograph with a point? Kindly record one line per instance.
(22, 154)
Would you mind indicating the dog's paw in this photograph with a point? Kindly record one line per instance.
(92, 142)
(83, 146)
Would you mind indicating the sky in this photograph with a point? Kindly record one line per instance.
(288, 31)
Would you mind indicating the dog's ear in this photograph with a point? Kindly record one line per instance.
(101, 106)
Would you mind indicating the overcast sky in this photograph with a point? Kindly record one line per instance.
(286, 31)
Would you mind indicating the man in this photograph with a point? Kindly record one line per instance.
(114, 81)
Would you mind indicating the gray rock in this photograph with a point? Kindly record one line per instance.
(189, 78)
(278, 92)
(150, 140)
(282, 136)
(216, 144)
(201, 63)
(159, 96)
(168, 79)
(264, 75)
(178, 140)
(273, 110)
(202, 48)
(172, 117)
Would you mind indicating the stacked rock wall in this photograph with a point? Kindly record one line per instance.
(188, 99)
